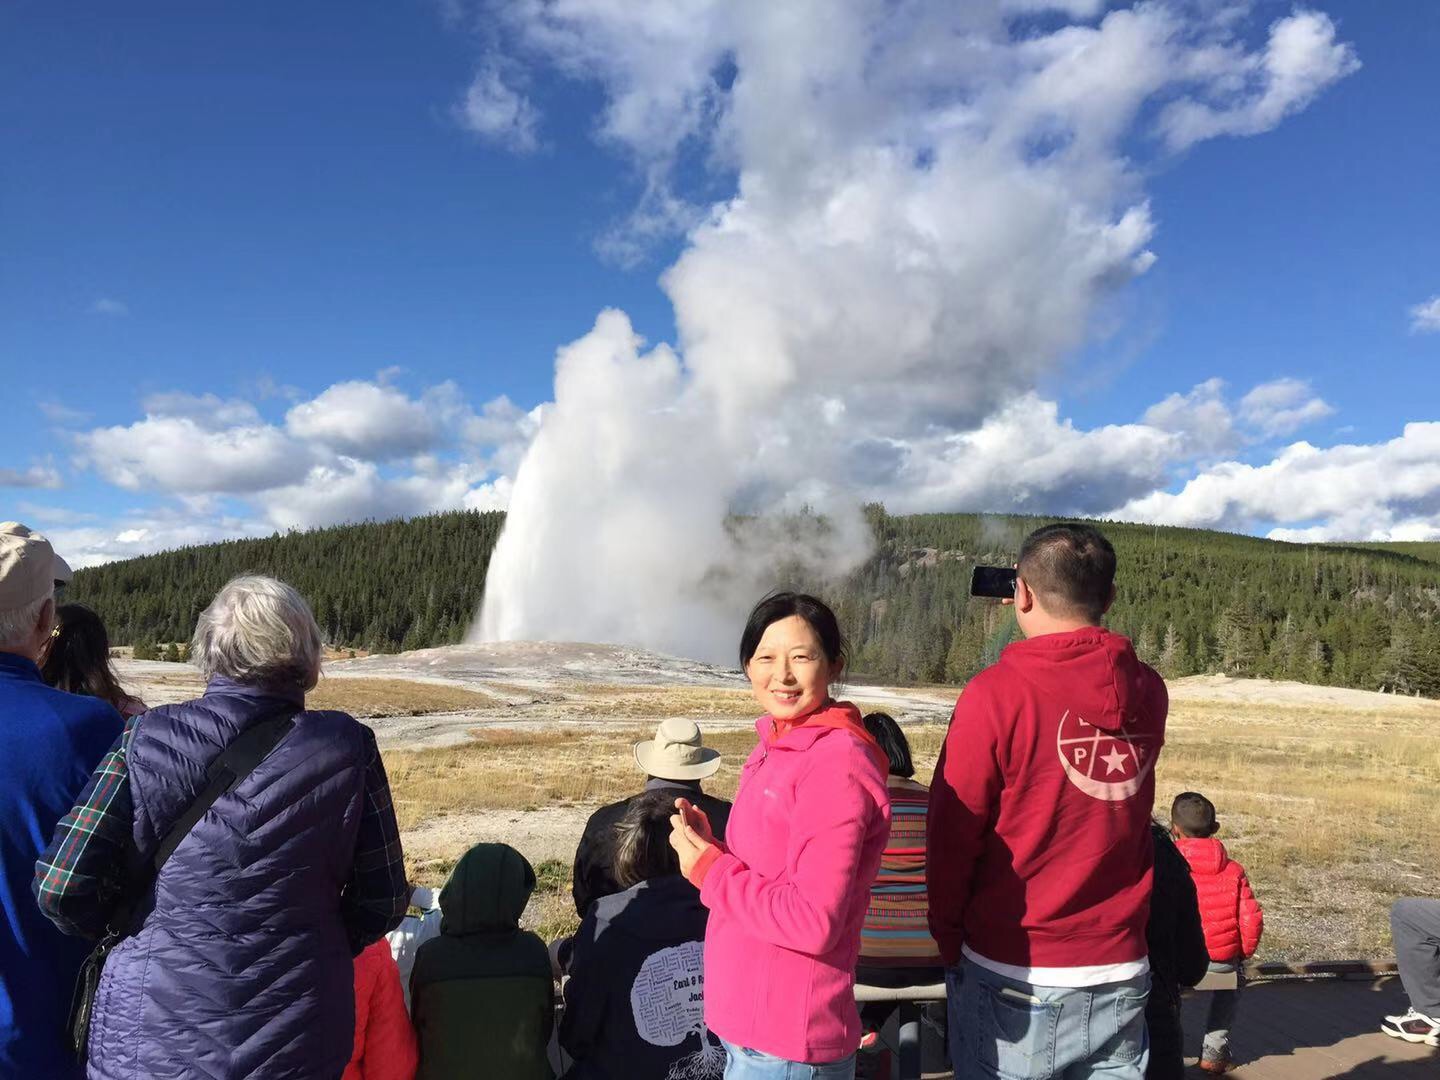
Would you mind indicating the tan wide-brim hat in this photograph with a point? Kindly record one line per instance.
(676, 752)
(29, 567)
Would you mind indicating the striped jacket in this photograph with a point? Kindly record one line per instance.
(897, 931)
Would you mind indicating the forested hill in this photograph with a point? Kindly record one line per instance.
(1193, 601)
(380, 585)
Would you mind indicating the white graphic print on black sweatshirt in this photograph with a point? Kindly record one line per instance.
(668, 1002)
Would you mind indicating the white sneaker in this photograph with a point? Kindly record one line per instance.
(1413, 1027)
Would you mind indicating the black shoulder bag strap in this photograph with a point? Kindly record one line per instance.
(237, 761)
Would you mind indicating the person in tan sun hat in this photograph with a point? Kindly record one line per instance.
(50, 742)
(675, 760)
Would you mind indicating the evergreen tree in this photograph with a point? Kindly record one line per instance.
(1145, 645)
(1171, 661)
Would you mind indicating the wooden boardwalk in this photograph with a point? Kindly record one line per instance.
(1317, 1029)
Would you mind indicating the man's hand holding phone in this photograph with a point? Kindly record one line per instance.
(994, 583)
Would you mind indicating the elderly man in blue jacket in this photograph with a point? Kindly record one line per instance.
(49, 743)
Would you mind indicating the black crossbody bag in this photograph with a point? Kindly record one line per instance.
(235, 763)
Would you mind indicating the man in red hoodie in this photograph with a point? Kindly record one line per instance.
(1040, 855)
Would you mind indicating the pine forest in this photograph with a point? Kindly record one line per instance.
(1364, 616)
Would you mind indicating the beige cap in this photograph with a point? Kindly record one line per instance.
(29, 567)
(676, 752)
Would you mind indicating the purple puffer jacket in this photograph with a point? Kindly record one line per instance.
(243, 969)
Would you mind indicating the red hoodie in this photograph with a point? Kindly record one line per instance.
(1040, 852)
(1229, 912)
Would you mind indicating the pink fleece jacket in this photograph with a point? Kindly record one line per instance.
(787, 896)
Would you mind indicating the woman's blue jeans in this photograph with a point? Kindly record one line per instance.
(743, 1064)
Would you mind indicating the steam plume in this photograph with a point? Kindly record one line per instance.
(930, 200)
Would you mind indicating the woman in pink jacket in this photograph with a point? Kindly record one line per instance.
(788, 889)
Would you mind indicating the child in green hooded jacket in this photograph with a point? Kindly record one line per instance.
(482, 996)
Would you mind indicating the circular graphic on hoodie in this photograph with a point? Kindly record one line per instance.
(1106, 765)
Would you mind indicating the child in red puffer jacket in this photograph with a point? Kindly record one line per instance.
(1229, 912)
(384, 1040)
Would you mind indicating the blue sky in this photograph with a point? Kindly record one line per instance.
(211, 218)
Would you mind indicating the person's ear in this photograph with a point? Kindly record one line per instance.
(1024, 596)
(1111, 601)
(1214, 826)
(837, 668)
(45, 624)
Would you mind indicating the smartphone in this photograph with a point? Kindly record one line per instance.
(997, 582)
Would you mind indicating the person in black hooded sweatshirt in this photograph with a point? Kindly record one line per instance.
(635, 1002)
(1178, 956)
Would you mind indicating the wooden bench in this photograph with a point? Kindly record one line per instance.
(910, 998)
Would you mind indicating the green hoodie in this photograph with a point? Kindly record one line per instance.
(482, 996)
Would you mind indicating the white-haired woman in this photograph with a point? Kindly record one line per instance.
(239, 959)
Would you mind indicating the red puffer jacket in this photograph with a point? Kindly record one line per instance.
(384, 1040)
(1229, 911)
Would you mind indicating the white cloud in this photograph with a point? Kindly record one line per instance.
(107, 305)
(1210, 426)
(357, 450)
(491, 496)
(350, 490)
(498, 113)
(1253, 93)
(1353, 491)
(1201, 418)
(1077, 9)
(62, 415)
(1425, 317)
(505, 429)
(32, 476)
(365, 420)
(1282, 407)
(206, 410)
(146, 532)
(44, 516)
(1026, 459)
(181, 454)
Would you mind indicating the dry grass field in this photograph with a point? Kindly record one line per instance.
(373, 698)
(1331, 808)
(1328, 797)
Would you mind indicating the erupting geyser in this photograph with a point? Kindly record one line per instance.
(930, 199)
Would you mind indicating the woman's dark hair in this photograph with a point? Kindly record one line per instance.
(642, 840)
(79, 657)
(782, 605)
(892, 740)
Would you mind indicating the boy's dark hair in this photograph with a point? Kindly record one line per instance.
(782, 605)
(892, 740)
(642, 840)
(1194, 815)
(1072, 567)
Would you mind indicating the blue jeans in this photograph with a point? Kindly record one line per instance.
(743, 1064)
(1004, 1028)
